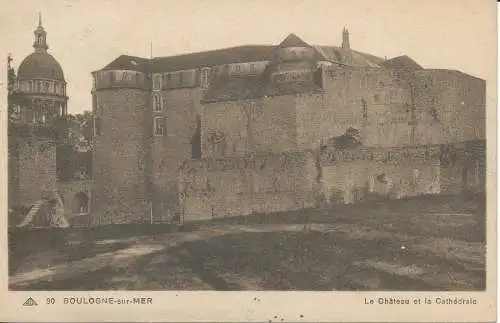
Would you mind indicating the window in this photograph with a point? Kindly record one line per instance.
(159, 123)
(196, 140)
(46, 87)
(365, 109)
(97, 126)
(204, 77)
(376, 98)
(416, 176)
(39, 86)
(252, 68)
(157, 102)
(157, 82)
(30, 86)
(237, 68)
(94, 103)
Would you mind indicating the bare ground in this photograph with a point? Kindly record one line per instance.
(435, 243)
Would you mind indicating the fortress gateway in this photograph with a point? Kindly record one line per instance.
(274, 128)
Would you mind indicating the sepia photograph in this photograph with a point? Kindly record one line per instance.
(318, 146)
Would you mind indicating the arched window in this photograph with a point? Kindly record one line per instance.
(81, 203)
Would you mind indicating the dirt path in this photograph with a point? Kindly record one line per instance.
(145, 251)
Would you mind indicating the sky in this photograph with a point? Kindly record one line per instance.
(85, 35)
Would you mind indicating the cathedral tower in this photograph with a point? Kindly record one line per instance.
(345, 38)
(37, 108)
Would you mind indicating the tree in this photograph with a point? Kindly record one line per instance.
(69, 158)
(82, 124)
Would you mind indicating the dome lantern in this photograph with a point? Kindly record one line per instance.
(40, 43)
(40, 64)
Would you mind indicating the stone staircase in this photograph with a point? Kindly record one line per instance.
(31, 214)
(56, 219)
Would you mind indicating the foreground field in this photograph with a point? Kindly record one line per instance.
(433, 243)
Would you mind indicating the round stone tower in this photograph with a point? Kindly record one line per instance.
(121, 146)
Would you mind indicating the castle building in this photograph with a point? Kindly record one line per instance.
(154, 116)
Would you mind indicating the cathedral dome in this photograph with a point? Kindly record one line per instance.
(40, 65)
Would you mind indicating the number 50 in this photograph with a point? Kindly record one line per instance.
(51, 300)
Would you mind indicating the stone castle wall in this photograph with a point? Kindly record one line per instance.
(238, 186)
(379, 173)
(372, 100)
(239, 128)
(456, 100)
(390, 110)
(213, 188)
(33, 166)
(181, 110)
(465, 169)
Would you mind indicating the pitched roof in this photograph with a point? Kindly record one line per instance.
(402, 62)
(293, 40)
(238, 54)
(232, 55)
(127, 62)
(340, 55)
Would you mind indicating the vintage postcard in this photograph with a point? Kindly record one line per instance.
(266, 160)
